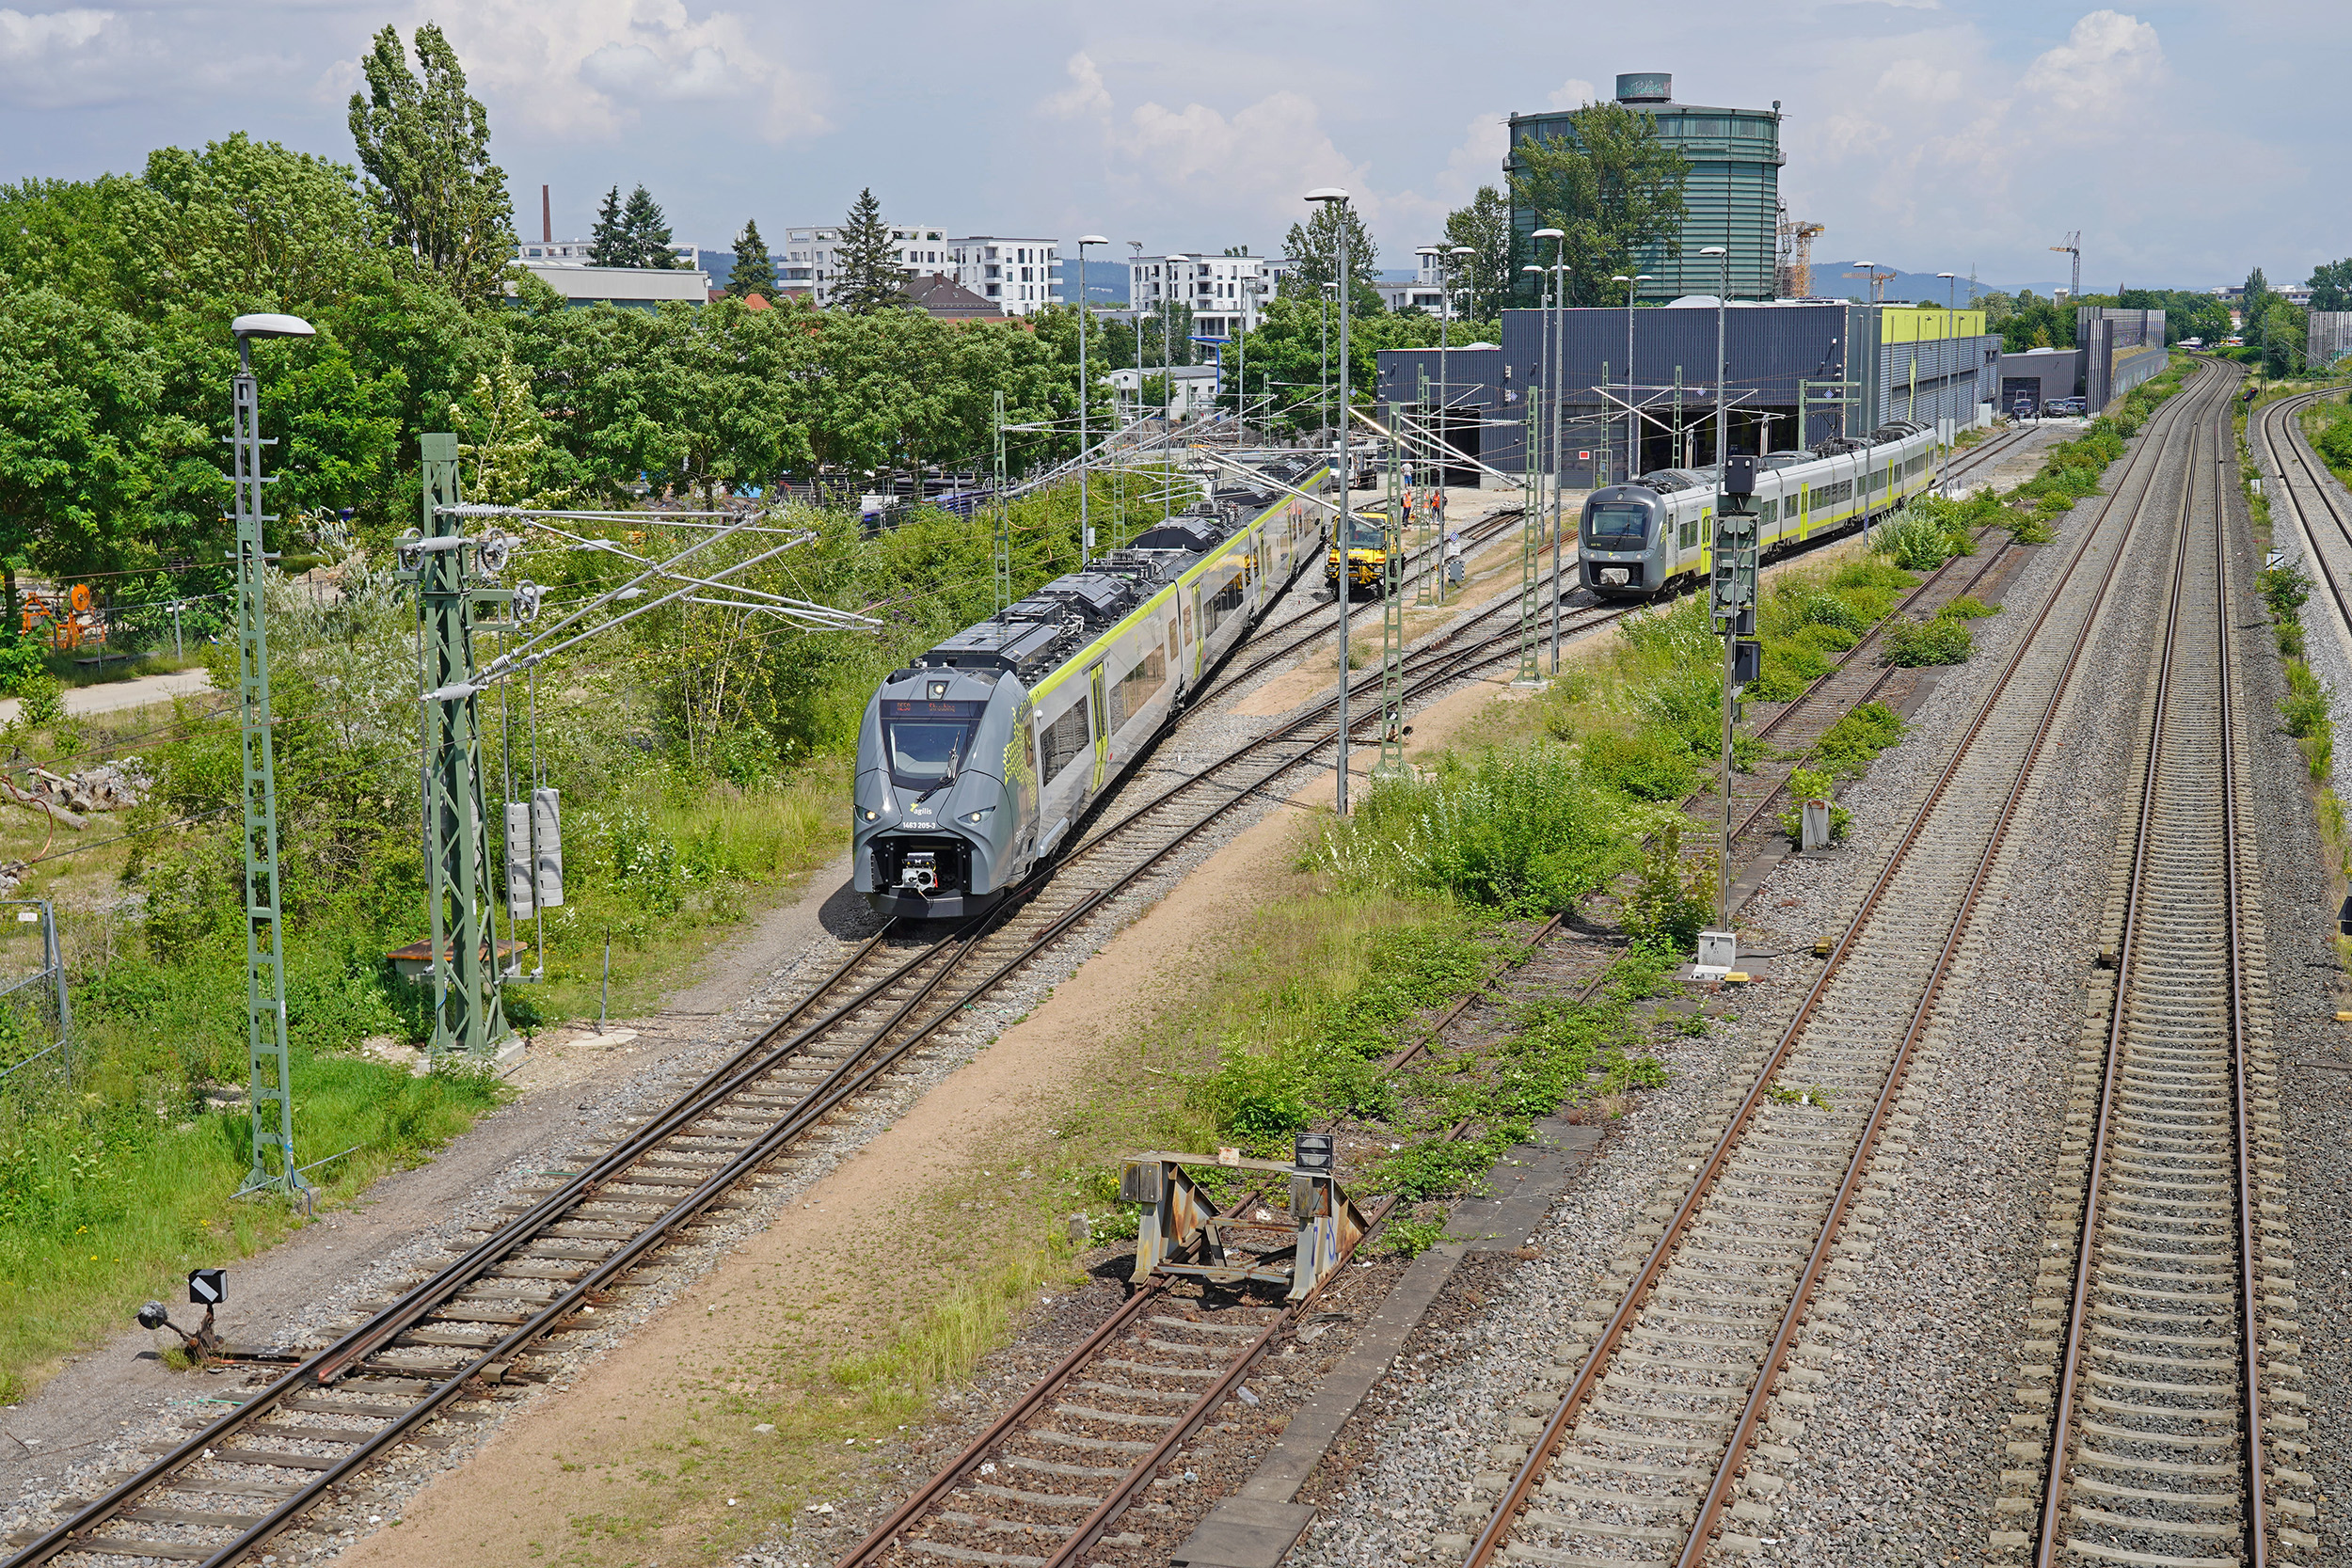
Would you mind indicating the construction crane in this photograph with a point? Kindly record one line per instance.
(2073, 247)
(1878, 280)
(1796, 257)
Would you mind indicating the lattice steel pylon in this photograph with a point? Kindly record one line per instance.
(1000, 548)
(1392, 763)
(1531, 538)
(469, 1013)
(264, 942)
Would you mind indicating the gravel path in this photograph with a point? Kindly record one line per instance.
(1902, 1441)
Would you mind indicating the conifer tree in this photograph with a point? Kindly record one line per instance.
(648, 231)
(608, 244)
(867, 276)
(426, 143)
(755, 271)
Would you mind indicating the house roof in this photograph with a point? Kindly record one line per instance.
(943, 298)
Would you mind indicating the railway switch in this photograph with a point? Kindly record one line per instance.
(1324, 1222)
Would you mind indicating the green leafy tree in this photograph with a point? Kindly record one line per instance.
(1314, 245)
(866, 275)
(2281, 335)
(425, 144)
(648, 231)
(2331, 285)
(609, 245)
(755, 270)
(246, 222)
(1611, 185)
(78, 386)
(1483, 276)
(2254, 304)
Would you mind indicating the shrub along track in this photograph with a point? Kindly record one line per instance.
(2161, 1425)
(1642, 1457)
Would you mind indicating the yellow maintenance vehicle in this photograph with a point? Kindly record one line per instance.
(1367, 554)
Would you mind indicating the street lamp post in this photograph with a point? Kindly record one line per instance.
(1337, 201)
(1632, 429)
(1731, 630)
(1556, 397)
(1086, 518)
(1323, 397)
(1248, 290)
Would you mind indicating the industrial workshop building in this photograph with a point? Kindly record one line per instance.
(1800, 373)
(1733, 193)
(2114, 351)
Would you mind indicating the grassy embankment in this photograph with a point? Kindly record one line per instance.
(2306, 712)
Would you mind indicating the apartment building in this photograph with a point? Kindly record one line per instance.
(1224, 292)
(1017, 275)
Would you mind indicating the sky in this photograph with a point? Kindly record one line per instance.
(2186, 142)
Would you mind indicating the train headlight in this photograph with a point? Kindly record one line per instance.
(973, 816)
(873, 816)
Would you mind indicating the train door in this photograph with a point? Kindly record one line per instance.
(1189, 597)
(1102, 725)
(1805, 510)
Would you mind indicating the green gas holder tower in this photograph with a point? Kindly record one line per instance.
(1733, 194)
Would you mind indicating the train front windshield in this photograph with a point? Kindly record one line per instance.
(927, 743)
(1363, 534)
(1618, 528)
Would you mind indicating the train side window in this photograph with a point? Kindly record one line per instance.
(1137, 686)
(1766, 513)
(1066, 739)
(1690, 531)
(1172, 653)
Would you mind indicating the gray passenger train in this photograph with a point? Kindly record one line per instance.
(974, 762)
(1647, 535)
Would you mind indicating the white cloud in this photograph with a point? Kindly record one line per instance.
(1574, 93)
(597, 68)
(1085, 96)
(63, 59)
(2099, 72)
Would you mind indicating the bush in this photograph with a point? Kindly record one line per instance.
(1645, 765)
(1672, 895)
(1941, 640)
(1525, 833)
(1847, 746)
(2284, 589)
(1808, 783)
(1969, 607)
(1914, 541)
(41, 703)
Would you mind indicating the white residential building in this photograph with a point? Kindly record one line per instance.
(580, 253)
(1225, 292)
(644, 288)
(1017, 275)
(1188, 391)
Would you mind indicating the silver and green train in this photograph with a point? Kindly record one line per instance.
(975, 761)
(1644, 538)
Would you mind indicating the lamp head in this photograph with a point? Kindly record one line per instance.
(1714, 250)
(1621, 278)
(1643, 277)
(1530, 268)
(1548, 234)
(1947, 276)
(1093, 239)
(1464, 250)
(1327, 193)
(267, 326)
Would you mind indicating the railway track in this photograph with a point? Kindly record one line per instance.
(1688, 1381)
(2164, 1415)
(432, 1357)
(2305, 485)
(1130, 1395)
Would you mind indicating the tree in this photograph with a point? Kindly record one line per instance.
(866, 277)
(1611, 185)
(1484, 225)
(2331, 285)
(648, 231)
(2254, 304)
(755, 271)
(608, 244)
(1315, 247)
(425, 145)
